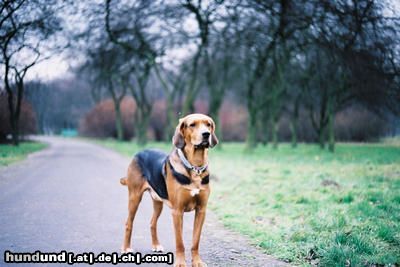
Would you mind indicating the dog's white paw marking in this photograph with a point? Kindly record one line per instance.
(194, 192)
(157, 248)
(127, 250)
(200, 264)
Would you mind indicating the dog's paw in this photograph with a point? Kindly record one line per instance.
(157, 248)
(199, 263)
(180, 263)
(126, 250)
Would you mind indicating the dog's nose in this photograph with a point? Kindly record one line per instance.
(206, 135)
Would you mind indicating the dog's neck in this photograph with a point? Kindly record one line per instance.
(196, 156)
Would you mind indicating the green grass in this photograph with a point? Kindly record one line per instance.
(308, 206)
(395, 141)
(10, 154)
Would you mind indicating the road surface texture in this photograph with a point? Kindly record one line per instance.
(68, 197)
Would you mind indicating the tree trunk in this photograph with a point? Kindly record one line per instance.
(251, 141)
(142, 124)
(14, 130)
(331, 130)
(188, 105)
(265, 131)
(294, 123)
(274, 134)
(117, 108)
(321, 137)
(15, 111)
(293, 130)
(13, 120)
(169, 132)
(215, 106)
(141, 135)
(118, 121)
(169, 97)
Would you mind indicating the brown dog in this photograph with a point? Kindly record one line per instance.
(180, 179)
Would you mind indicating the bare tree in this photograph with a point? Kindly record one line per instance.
(214, 53)
(132, 35)
(219, 66)
(22, 45)
(104, 65)
(347, 31)
(266, 28)
(280, 58)
(173, 85)
(205, 13)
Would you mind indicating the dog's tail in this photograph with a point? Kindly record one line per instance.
(123, 181)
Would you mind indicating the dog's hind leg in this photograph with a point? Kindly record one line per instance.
(157, 209)
(134, 200)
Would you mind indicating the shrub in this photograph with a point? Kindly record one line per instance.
(233, 121)
(100, 121)
(158, 119)
(27, 120)
(358, 124)
(351, 124)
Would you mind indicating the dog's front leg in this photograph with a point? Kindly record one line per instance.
(177, 215)
(197, 227)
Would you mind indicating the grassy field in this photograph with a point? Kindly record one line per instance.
(10, 154)
(308, 206)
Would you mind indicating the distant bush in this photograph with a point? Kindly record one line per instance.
(27, 120)
(305, 131)
(351, 124)
(233, 121)
(201, 106)
(358, 124)
(100, 121)
(158, 119)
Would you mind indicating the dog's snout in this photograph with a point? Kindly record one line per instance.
(206, 135)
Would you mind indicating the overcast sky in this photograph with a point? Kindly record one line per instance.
(58, 66)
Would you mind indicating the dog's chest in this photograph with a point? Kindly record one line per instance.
(191, 201)
(191, 205)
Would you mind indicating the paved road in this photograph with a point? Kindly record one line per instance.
(68, 197)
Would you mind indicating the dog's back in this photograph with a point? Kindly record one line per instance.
(151, 164)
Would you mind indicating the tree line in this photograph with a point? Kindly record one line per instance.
(278, 58)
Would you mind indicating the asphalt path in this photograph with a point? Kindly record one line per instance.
(68, 197)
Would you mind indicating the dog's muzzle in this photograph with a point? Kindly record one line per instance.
(205, 143)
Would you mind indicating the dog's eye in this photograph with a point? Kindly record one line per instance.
(208, 124)
(192, 124)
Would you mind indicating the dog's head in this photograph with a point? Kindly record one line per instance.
(196, 130)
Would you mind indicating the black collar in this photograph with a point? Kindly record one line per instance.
(183, 179)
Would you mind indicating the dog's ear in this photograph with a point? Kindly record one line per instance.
(178, 140)
(214, 139)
